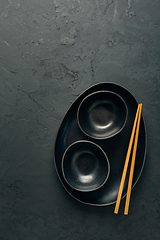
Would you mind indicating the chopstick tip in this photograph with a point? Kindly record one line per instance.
(125, 213)
(116, 212)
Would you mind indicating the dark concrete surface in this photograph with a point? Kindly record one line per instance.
(51, 51)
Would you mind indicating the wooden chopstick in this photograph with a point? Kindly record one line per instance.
(132, 164)
(126, 163)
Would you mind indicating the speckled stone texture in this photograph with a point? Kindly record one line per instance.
(51, 51)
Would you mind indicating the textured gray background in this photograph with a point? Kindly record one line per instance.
(51, 51)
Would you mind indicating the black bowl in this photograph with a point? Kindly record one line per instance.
(102, 114)
(85, 166)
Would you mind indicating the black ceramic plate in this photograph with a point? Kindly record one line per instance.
(115, 148)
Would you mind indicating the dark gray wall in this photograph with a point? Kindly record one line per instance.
(51, 51)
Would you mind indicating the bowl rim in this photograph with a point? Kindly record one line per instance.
(106, 137)
(107, 161)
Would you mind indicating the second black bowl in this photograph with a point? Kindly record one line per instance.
(85, 166)
(102, 114)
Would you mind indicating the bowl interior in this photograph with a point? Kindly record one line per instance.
(85, 166)
(102, 114)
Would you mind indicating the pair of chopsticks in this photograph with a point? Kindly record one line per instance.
(134, 136)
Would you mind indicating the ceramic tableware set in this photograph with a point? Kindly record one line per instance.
(92, 143)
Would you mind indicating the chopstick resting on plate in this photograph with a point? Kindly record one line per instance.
(136, 124)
